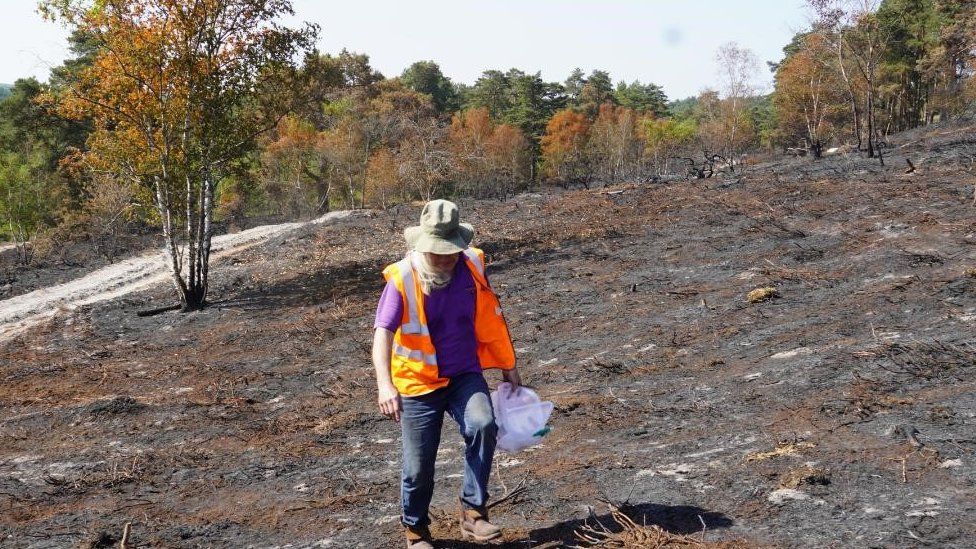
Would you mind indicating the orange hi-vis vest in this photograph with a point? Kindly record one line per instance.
(413, 361)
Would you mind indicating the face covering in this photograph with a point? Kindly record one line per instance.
(430, 278)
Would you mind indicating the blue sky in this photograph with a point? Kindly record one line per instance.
(670, 43)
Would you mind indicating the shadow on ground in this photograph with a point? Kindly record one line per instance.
(349, 279)
(674, 519)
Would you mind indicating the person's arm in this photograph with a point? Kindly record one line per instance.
(388, 397)
(389, 311)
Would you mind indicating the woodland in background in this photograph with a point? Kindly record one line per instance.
(338, 134)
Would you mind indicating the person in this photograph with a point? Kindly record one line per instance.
(438, 326)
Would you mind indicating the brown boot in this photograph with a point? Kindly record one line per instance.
(474, 524)
(418, 537)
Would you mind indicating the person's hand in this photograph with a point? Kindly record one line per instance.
(389, 401)
(512, 376)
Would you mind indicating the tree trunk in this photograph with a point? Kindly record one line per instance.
(362, 196)
(207, 236)
(735, 125)
(169, 239)
(195, 297)
(192, 290)
(850, 91)
(191, 230)
(870, 102)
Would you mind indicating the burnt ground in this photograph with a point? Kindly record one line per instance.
(839, 413)
(68, 261)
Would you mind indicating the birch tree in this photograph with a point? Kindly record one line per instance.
(171, 95)
(737, 69)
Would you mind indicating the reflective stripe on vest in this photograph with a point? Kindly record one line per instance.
(478, 264)
(475, 260)
(414, 326)
(414, 354)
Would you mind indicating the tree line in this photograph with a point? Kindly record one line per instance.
(867, 68)
(182, 116)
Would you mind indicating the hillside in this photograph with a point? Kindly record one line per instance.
(837, 414)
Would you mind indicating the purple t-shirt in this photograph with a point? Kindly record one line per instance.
(450, 319)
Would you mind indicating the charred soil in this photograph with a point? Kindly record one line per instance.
(837, 410)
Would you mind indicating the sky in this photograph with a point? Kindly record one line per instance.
(671, 43)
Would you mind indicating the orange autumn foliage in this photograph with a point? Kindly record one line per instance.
(563, 157)
(488, 158)
(809, 94)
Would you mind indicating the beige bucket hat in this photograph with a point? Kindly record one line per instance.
(440, 231)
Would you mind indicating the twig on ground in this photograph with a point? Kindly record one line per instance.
(126, 531)
(914, 536)
(627, 500)
(904, 466)
(517, 491)
(928, 456)
(498, 475)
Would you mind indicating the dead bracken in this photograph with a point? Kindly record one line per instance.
(624, 533)
(762, 294)
(783, 449)
(806, 475)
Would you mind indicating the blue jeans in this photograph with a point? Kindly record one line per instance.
(466, 399)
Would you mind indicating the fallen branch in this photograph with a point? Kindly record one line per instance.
(517, 491)
(159, 310)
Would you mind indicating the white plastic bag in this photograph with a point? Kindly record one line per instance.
(521, 417)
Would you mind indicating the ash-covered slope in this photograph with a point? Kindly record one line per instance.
(837, 414)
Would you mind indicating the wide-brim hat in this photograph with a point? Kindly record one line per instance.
(440, 230)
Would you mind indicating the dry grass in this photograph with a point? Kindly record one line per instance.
(805, 476)
(627, 534)
(782, 449)
(762, 294)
